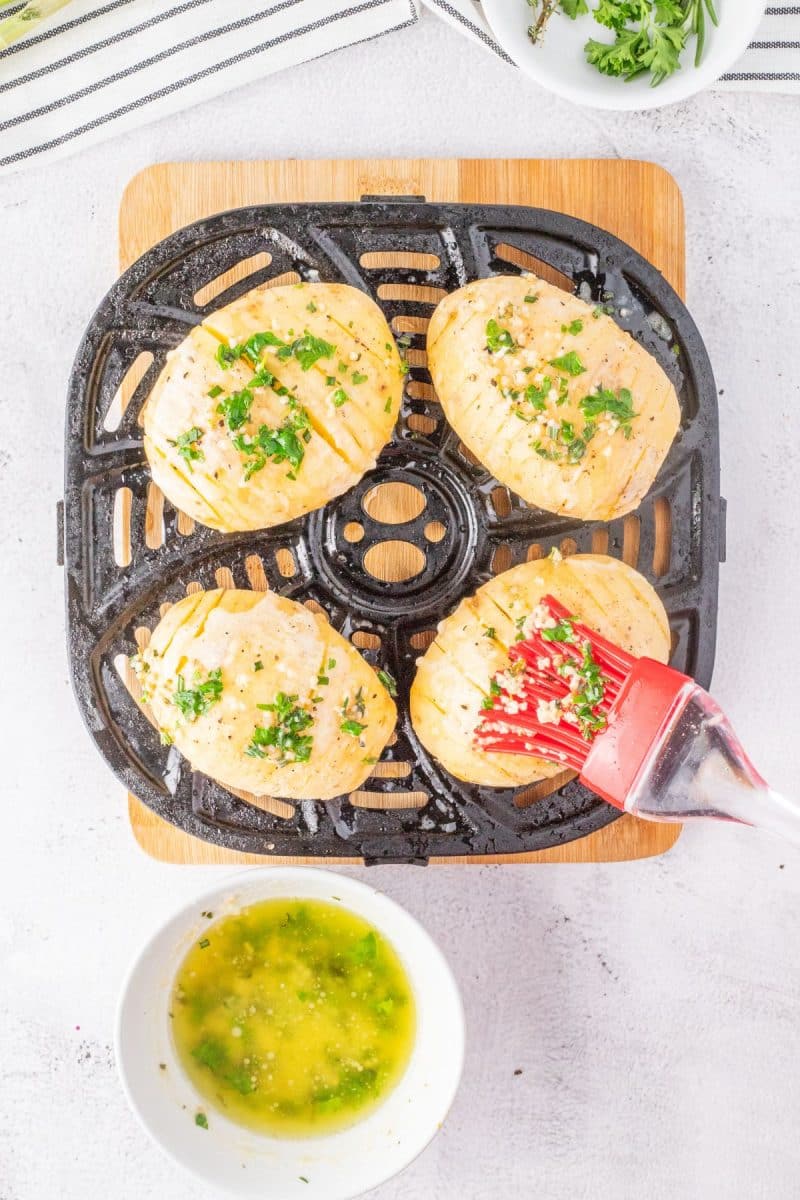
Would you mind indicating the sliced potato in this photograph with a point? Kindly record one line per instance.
(472, 646)
(330, 388)
(550, 394)
(217, 658)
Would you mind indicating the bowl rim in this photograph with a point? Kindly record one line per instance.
(250, 876)
(689, 84)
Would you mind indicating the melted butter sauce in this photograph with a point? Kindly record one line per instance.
(294, 1017)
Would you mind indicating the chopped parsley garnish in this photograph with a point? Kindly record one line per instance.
(562, 631)
(359, 377)
(250, 349)
(311, 306)
(490, 632)
(285, 738)
(584, 702)
(276, 445)
(204, 943)
(619, 406)
(215, 391)
(520, 625)
(309, 349)
(537, 395)
(498, 339)
(187, 445)
(201, 1119)
(194, 702)
(236, 409)
(574, 327)
(389, 682)
(354, 728)
(343, 368)
(340, 397)
(331, 663)
(570, 363)
(264, 379)
(258, 665)
(531, 298)
(494, 690)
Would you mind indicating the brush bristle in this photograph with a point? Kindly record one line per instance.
(556, 696)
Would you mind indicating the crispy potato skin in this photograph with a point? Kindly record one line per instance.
(232, 630)
(475, 384)
(345, 440)
(454, 673)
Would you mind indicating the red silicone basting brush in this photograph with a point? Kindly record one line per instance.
(646, 738)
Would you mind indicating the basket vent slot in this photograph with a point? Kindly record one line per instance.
(285, 562)
(631, 533)
(600, 540)
(122, 397)
(353, 532)
(414, 293)
(568, 546)
(365, 640)
(393, 260)
(662, 550)
(256, 575)
(365, 799)
(421, 423)
(405, 323)
(423, 639)
(418, 390)
(501, 559)
(391, 770)
(501, 501)
(394, 503)
(241, 270)
(529, 262)
(394, 561)
(434, 531)
(542, 788)
(154, 517)
(122, 526)
(184, 525)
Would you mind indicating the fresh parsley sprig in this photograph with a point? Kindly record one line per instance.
(649, 35)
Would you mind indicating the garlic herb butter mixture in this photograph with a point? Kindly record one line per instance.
(538, 389)
(294, 1017)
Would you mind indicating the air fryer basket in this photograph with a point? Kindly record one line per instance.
(675, 538)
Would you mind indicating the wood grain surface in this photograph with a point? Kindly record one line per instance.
(638, 201)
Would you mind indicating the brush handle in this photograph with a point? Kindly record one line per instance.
(697, 767)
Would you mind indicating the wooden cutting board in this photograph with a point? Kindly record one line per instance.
(638, 201)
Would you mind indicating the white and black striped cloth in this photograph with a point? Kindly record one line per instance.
(104, 66)
(771, 64)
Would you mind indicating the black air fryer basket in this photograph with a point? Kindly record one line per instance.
(486, 529)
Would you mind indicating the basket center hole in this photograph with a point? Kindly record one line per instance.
(394, 561)
(394, 503)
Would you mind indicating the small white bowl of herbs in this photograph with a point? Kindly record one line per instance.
(624, 54)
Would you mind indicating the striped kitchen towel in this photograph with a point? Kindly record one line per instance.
(771, 64)
(104, 66)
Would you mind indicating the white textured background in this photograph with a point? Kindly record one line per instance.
(651, 1007)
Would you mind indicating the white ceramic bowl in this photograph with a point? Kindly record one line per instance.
(558, 62)
(246, 1164)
